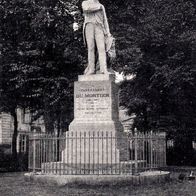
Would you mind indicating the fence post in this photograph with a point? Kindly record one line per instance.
(165, 151)
(18, 147)
(151, 149)
(135, 149)
(164, 141)
(34, 150)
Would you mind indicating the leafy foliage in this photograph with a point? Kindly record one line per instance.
(157, 51)
(40, 58)
(40, 52)
(156, 45)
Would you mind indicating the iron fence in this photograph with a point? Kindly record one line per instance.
(96, 153)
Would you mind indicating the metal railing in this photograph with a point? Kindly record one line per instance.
(96, 153)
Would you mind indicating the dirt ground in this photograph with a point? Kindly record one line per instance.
(14, 184)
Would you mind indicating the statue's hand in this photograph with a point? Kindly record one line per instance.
(109, 34)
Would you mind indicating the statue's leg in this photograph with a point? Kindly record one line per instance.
(90, 39)
(100, 42)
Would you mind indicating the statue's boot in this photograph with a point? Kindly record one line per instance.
(89, 71)
(104, 70)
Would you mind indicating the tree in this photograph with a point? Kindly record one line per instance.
(40, 56)
(61, 62)
(155, 41)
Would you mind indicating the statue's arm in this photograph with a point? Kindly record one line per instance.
(90, 8)
(106, 25)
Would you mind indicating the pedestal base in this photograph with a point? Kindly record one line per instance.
(96, 135)
(90, 126)
(95, 147)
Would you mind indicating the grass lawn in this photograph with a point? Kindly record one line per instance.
(14, 184)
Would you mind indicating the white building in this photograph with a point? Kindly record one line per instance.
(25, 126)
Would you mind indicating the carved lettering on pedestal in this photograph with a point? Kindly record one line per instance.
(92, 103)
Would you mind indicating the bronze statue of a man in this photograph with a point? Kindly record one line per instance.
(96, 33)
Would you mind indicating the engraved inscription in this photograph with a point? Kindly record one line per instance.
(92, 103)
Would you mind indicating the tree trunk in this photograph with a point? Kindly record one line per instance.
(145, 113)
(14, 139)
(48, 117)
(58, 139)
(184, 149)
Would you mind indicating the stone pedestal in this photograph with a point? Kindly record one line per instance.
(96, 118)
(96, 104)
